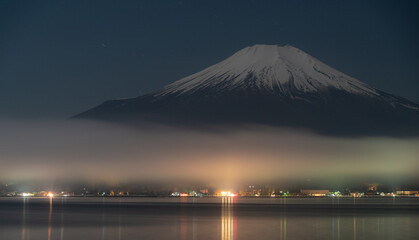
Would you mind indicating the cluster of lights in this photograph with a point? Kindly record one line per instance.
(186, 194)
(228, 194)
(25, 194)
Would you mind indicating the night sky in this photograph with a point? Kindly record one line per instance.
(58, 58)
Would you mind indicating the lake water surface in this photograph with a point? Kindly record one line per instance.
(209, 218)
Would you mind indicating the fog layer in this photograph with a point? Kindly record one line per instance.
(104, 151)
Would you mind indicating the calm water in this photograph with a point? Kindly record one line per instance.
(208, 218)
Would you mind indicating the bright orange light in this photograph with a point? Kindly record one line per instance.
(228, 194)
(184, 194)
(50, 194)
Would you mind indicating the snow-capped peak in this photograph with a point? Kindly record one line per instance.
(270, 67)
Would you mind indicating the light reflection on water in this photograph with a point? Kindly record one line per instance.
(24, 218)
(49, 219)
(227, 218)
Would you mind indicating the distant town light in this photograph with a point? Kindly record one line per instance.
(228, 194)
(50, 194)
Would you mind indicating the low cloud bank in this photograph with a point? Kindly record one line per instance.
(104, 151)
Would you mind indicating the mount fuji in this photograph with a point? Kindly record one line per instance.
(270, 85)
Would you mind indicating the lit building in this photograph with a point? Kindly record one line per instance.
(316, 193)
(225, 194)
(372, 187)
(204, 191)
(407, 193)
(42, 194)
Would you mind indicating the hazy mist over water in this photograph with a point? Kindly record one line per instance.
(107, 152)
(224, 218)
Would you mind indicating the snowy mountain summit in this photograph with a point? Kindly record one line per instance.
(273, 69)
(270, 85)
